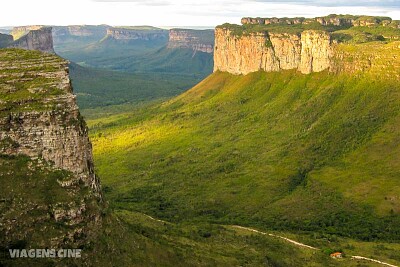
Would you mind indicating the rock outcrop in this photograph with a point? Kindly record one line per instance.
(40, 39)
(241, 54)
(62, 33)
(18, 32)
(5, 40)
(128, 34)
(42, 131)
(333, 19)
(55, 131)
(197, 40)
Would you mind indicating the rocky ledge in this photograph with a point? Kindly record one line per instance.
(50, 193)
(197, 40)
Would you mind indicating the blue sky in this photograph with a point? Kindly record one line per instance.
(179, 12)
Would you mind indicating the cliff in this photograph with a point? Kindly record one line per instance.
(197, 40)
(40, 39)
(5, 40)
(50, 193)
(308, 52)
(333, 19)
(18, 32)
(63, 33)
(329, 43)
(137, 33)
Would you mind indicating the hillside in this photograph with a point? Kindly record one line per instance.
(308, 153)
(142, 51)
(51, 197)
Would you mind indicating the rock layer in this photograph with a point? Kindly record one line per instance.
(334, 20)
(311, 51)
(48, 127)
(197, 40)
(50, 194)
(40, 39)
(137, 34)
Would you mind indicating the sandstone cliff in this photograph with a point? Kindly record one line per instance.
(132, 33)
(42, 132)
(18, 32)
(241, 54)
(197, 40)
(62, 33)
(37, 39)
(333, 19)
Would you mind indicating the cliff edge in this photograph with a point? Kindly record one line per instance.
(50, 193)
(197, 40)
(40, 39)
(283, 44)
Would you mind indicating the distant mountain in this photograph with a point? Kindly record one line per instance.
(145, 49)
(29, 38)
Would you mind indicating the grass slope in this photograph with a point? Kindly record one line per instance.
(314, 153)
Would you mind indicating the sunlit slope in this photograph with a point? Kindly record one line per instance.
(282, 150)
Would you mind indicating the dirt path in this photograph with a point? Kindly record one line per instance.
(288, 240)
(368, 259)
(310, 247)
(281, 237)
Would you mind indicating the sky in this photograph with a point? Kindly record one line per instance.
(179, 12)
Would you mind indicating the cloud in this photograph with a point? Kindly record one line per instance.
(138, 2)
(338, 3)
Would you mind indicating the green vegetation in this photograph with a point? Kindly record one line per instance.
(247, 29)
(378, 29)
(280, 151)
(120, 72)
(27, 79)
(100, 88)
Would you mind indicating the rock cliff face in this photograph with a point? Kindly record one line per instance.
(18, 32)
(334, 20)
(61, 33)
(308, 52)
(55, 131)
(197, 40)
(39, 39)
(5, 40)
(42, 131)
(137, 34)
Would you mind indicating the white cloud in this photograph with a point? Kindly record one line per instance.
(179, 12)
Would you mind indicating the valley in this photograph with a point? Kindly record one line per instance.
(283, 151)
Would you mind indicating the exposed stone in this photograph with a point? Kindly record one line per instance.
(39, 39)
(197, 40)
(316, 51)
(137, 34)
(335, 20)
(271, 52)
(18, 32)
(58, 135)
(43, 133)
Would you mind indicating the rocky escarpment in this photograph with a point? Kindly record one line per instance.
(5, 40)
(50, 193)
(333, 19)
(18, 32)
(45, 122)
(197, 40)
(63, 33)
(36, 38)
(308, 52)
(145, 34)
